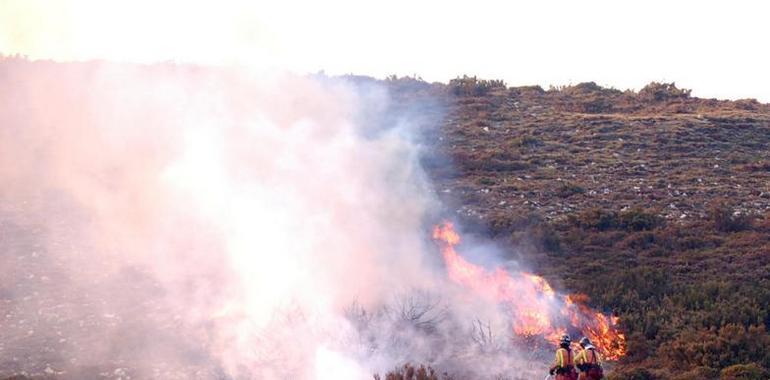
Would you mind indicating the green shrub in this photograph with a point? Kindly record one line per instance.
(486, 181)
(637, 219)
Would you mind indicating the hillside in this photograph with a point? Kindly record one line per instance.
(654, 204)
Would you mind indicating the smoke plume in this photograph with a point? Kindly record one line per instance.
(174, 221)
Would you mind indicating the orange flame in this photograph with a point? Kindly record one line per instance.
(536, 310)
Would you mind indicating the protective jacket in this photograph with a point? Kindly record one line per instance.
(588, 362)
(587, 356)
(564, 365)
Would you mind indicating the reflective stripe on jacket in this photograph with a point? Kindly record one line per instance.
(564, 358)
(587, 356)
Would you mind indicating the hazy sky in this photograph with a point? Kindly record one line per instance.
(719, 49)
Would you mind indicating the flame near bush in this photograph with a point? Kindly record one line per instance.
(535, 309)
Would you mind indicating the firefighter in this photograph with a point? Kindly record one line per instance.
(588, 362)
(564, 366)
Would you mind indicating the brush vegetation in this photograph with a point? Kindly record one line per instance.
(653, 203)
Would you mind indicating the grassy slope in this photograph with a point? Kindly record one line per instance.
(653, 203)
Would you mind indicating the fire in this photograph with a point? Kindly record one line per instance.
(535, 309)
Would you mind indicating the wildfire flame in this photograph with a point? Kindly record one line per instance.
(535, 309)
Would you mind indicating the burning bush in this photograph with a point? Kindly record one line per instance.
(534, 308)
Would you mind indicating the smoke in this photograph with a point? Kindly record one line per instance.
(173, 221)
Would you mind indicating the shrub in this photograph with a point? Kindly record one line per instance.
(639, 240)
(633, 374)
(759, 166)
(726, 220)
(597, 105)
(406, 83)
(746, 104)
(526, 141)
(410, 372)
(596, 218)
(568, 189)
(657, 92)
(472, 86)
(546, 238)
(749, 371)
(586, 87)
(699, 373)
(526, 90)
(637, 219)
(727, 346)
(486, 181)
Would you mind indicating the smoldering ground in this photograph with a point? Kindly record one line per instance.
(170, 221)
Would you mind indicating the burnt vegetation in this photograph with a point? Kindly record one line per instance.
(655, 203)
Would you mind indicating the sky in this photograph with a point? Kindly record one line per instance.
(715, 48)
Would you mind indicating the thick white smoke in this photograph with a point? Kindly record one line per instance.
(184, 222)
